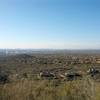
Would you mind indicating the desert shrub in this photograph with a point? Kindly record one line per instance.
(85, 89)
(4, 77)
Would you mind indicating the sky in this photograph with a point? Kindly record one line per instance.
(50, 24)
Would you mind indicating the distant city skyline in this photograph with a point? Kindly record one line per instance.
(50, 24)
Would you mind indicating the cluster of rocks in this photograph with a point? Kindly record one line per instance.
(94, 73)
(69, 76)
(65, 76)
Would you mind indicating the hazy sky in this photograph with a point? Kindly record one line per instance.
(60, 24)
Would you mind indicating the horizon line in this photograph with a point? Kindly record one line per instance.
(51, 48)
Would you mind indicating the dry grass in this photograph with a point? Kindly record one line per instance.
(85, 89)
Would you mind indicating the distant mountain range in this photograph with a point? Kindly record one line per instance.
(46, 51)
